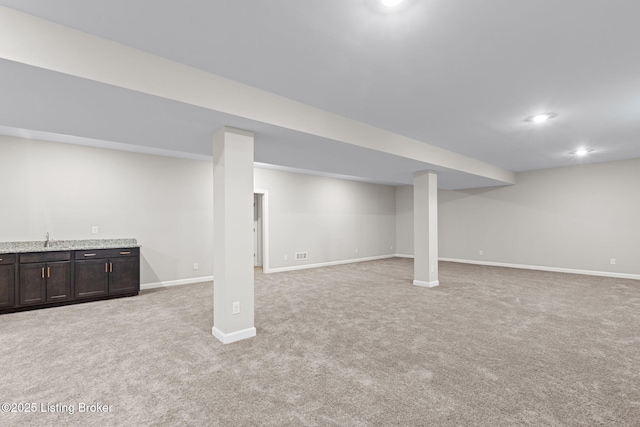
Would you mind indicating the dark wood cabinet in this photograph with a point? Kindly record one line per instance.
(7, 281)
(44, 279)
(58, 281)
(92, 278)
(124, 275)
(32, 284)
(107, 272)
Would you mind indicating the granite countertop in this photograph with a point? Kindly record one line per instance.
(66, 245)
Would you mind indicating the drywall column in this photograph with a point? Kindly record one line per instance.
(233, 235)
(425, 229)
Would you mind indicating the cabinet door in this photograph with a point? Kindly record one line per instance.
(58, 281)
(91, 278)
(7, 285)
(124, 275)
(32, 284)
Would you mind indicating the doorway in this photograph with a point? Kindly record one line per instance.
(257, 231)
(261, 230)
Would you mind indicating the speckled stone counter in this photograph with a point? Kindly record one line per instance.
(66, 245)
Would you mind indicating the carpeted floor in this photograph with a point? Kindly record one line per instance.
(351, 345)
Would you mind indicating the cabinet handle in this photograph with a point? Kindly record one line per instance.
(121, 253)
(110, 267)
(89, 254)
(43, 272)
(106, 267)
(48, 271)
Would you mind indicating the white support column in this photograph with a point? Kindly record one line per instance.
(233, 235)
(425, 229)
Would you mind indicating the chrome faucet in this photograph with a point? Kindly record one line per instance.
(47, 242)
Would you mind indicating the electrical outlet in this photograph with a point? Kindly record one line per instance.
(391, 248)
(94, 229)
(195, 266)
(433, 269)
(613, 261)
(236, 307)
(356, 250)
(286, 257)
(481, 252)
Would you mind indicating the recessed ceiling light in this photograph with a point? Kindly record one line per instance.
(582, 152)
(391, 3)
(540, 118)
(388, 7)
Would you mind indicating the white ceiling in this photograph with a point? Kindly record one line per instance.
(457, 74)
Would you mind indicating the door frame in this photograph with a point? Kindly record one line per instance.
(264, 212)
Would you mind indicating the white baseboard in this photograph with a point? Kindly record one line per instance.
(463, 261)
(176, 283)
(542, 268)
(426, 284)
(328, 264)
(233, 336)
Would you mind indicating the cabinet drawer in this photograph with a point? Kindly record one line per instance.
(44, 257)
(107, 253)
(7, 259)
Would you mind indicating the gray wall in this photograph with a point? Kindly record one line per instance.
(574, 217)
(326, 217)
(167, 204)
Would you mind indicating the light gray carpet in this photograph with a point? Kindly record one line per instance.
(351, 345)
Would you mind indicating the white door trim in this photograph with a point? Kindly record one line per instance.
(265, 228)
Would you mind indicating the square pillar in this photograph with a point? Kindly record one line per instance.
(233, 300)
(425, 229)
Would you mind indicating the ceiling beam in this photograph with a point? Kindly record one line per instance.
(40, 43)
